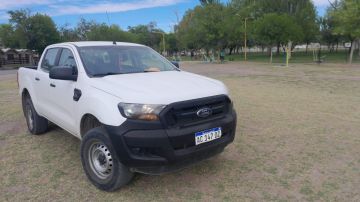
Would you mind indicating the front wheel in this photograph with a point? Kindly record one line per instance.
(100, 162)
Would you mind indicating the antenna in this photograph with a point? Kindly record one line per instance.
(107, 16)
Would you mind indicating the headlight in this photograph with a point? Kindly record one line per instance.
(141, 111)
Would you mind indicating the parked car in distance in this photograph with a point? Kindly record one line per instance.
(132, 109)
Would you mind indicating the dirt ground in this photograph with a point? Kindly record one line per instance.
(297, 139)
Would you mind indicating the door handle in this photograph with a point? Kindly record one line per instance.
(37, 79)
(52, 85)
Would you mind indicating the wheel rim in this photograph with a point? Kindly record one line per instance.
(30, 117)
(100, 160)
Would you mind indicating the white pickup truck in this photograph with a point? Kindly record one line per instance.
(132, 109)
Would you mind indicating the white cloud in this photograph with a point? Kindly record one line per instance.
(9, 4)
(4, 16)
(110, 7)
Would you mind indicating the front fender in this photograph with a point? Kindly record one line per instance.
(101, 105)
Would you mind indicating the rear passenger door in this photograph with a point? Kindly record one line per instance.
(62, 92)
(42, 83)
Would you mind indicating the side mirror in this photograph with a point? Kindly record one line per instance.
(62, 73)
(176, 64)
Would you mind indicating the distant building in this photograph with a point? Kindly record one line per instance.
(17, 56)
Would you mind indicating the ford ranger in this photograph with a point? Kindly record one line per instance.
(133, 110)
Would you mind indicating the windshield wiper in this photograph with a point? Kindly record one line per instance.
(106, 74)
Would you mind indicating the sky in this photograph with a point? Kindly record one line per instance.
(124, 13)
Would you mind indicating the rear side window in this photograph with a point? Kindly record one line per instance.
(49, 59)
(67, 58)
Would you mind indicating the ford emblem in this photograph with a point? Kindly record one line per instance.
(204, 112)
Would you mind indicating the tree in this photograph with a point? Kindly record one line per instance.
(305, 16)
(234, 28)
(7, 36)
(327, 27)
(327, 32)
(19, 20)
(68, 34)
(148, 34)
(34, 32)
(186, 31)
(347, 22)
(93, 31)
(203, 27)
(303, 13)
(206, 2)
(276, 29)
(171, 43)
(83, 28)
(103, 32)
(42, 32)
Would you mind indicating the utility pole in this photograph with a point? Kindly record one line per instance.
(245, 41)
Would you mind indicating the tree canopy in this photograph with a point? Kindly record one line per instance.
(346, 17)
(277, 29)
(29, 31)
(212, 25)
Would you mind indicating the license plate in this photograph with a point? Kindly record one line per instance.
(207, 135)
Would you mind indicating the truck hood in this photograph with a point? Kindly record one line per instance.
(158, 87)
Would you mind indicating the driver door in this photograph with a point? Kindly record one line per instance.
(62, 92)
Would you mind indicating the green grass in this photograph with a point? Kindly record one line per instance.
(297, 140)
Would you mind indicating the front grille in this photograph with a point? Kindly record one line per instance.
(183, 114)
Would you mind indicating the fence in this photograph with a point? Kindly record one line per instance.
(15, 61)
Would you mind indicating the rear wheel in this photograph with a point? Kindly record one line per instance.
(100, 162)
(36, 123)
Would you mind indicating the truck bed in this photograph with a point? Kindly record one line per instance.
(30, 67)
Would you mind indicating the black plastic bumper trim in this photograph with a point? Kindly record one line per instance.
(147, 147)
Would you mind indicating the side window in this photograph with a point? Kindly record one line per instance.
(50, 58)
(67, 59)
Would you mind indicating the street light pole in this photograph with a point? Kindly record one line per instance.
(163, 40)
(245, 36)
(163, 36)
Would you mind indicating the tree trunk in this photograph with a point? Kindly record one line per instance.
(306, 49)
(337, 46)
(277, 48)
(269, 50)
(231, 50)
(352, 51)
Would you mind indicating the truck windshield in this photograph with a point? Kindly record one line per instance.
(110, 60)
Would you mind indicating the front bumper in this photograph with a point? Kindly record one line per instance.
(148, 147)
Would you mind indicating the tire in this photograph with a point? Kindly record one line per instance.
(100, 163)
(36, 123)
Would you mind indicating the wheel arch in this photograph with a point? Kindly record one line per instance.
(88, 121)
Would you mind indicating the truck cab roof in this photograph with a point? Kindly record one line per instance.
(97, 43)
